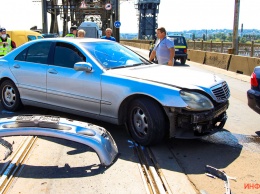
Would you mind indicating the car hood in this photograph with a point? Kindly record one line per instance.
(180, 77)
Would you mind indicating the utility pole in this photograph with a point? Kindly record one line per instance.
(117, 16)
(235, 27)
(44, 17)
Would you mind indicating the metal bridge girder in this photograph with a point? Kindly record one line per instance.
(148, 12)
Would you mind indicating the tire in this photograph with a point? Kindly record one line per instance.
(10, 96)
(146, 121)
(183, 61)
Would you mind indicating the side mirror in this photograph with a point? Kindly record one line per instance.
(83, 66)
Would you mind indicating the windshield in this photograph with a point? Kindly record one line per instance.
(112, 55)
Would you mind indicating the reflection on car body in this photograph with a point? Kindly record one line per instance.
(253, 94)
(104, 80)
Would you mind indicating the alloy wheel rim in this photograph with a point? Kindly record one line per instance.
(9, 96)
(140, 122)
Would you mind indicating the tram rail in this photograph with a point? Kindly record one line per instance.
(152, 176)
(15, 163)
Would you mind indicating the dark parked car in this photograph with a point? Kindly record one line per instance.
(180, 46)
(253, 95)
(105, 80)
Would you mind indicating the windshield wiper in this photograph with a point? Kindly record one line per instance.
(123, 66)
(137, 64)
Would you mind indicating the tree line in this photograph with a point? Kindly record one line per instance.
(228, 37)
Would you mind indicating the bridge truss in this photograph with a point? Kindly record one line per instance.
(148, 13)
(77, 11)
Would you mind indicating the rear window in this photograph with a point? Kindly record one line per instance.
(178, 40)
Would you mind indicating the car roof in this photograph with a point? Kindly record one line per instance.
(74, 40)
(17, 32)
(57, 39)
(50, 33)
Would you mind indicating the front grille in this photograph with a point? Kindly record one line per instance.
(221, 91)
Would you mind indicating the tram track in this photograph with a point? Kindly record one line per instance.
(154, 181)
(15, 162)
(152, 176)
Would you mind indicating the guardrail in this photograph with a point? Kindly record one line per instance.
(244, 49)
(235, 63)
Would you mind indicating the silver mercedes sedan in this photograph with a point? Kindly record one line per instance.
(104, 80)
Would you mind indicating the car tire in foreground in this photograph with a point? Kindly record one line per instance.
(146, 121)
(10, 96)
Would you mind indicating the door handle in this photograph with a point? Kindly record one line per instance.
(52, 71)
(16, 66)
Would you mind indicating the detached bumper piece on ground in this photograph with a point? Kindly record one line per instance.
(216, 173)
(96, 137)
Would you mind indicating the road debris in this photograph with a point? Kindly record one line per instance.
(216, 173)
(8, 146)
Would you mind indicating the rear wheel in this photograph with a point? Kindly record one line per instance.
(146, 121)
(183, 60)
(10, 97)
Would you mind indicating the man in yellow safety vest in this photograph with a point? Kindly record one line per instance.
(73, 32)
(6, 44)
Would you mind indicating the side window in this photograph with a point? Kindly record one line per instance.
(67, 55)
(39, 52)
(22, 55)
(176, 41)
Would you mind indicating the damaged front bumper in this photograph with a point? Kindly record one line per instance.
(188, 124)
(88, 134)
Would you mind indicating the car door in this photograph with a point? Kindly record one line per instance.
(68, 88)
(29, 69)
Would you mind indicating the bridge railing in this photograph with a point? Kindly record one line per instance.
(244, 49)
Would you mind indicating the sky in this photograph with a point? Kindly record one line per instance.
(174, 15)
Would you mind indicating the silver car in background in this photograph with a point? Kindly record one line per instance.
(104, 80)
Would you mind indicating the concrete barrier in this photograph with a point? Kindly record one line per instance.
(239, 64)
(145, 46)
(196, 55)
(252, 63)
(243, 65)
(220, 60)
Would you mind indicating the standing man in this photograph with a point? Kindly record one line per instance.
(6, 44)
(164, 49)
(108, 35)
(81, 33)
(73, 32)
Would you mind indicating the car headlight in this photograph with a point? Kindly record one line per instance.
(196, 101)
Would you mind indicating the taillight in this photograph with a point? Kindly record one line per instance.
(185, 50)
(254, 82)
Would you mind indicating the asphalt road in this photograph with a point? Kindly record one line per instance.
(59, 166)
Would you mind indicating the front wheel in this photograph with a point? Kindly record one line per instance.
(146, 121)
(10, 97)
